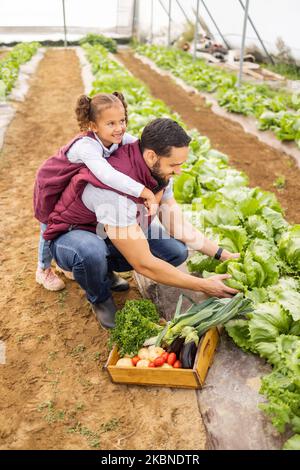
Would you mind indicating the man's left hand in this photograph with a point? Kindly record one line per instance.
(227, 255)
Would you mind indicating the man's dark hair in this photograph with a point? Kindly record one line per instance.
(162, 134)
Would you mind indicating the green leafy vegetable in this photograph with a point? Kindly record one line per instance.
(289, 246)
(238, 330)
(9, 66)
(136, 322)
(293, 443)
(199, 263)
(205, 315)
(287, 295)
(98, 39)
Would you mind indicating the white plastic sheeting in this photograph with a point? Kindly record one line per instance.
(86, 71)
(33, 20)
(7, 112)
(272, 19)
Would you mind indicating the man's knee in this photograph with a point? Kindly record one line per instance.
(93, 252)
(180, 253)
(79, 249)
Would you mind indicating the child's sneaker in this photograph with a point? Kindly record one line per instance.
(48, 279)
(68, 274)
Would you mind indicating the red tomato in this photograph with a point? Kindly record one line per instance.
(171, 358)
(135, 360)
(159, 361)
(165, 355)
(177, 364)
(151, 364)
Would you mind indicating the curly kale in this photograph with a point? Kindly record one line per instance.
(136, 322)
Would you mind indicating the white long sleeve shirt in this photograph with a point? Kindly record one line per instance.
(94, 155)
(113, 209)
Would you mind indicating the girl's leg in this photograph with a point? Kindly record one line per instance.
(45, 256)
(44, 274)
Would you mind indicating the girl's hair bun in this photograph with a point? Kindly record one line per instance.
(82, 111)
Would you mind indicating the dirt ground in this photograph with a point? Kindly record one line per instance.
(3, 53)
(261, 163)
(54, 393)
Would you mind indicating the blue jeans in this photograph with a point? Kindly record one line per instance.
(44, 253)
(90, 259)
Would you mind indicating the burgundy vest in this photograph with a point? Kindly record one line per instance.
(52, 178)
(71, 213)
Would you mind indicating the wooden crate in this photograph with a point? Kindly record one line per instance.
(163, 377)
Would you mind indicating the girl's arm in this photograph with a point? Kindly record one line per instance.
(89, 152)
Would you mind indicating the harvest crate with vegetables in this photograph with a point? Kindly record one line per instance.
(177, 353)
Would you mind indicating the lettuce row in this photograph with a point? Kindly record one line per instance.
(278, 111)
(273, 332)
(9, 66)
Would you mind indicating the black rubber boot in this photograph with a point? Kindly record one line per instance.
(105, 313)
(118, 283)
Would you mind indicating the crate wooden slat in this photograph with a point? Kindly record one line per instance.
(163, 377)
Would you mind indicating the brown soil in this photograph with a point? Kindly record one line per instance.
(54, 393)
(2, 54)
(261, 163)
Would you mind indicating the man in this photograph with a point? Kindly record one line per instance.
(125, 240)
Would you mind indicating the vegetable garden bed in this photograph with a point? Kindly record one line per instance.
(10, 65)
(278, 111)
(265, 166)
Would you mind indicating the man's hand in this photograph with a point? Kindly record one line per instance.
(133, 245)
(227, 255)
(214, 287)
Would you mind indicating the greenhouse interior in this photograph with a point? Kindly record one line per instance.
(150, 228)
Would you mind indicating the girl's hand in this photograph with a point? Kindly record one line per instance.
(150, 201)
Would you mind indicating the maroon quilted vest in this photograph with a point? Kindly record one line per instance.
(71, 213)
(52, 178)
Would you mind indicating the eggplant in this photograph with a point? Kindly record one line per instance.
(176, 345)
(188, 354)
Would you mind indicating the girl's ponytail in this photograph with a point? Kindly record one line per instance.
(83, 111)
(123, 101)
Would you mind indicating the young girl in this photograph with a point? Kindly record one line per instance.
(103, 119)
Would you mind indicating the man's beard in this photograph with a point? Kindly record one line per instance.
(162, 180)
